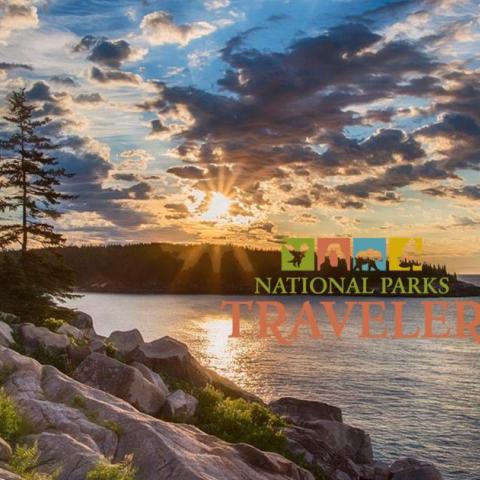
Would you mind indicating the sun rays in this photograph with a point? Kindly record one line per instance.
(218, 206)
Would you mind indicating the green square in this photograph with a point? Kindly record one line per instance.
(298, 254)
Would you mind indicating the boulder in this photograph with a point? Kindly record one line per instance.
(61, 453)
(169, 356)
(179, 406)
(5, 451)
(6, 475)
(333, 446)
(6, 335)
(121, 380)
(412, 469)
(126, 342)
(9, 318)
(71, 331)
(33, 338)
(344, 440)
(300, 411)
(172, 358)
(151, 376)
(82, 321)
(161, 450)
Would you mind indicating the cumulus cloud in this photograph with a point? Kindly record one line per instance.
(16, 15)
(285, 103)
(64, 80)
(109, 53)
(89, 98)
(136, 159)
(159, 29)
(115, 77)
(216, 4)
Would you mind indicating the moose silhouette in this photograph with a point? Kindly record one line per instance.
(298, 255)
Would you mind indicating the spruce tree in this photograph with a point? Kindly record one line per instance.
(29, 197)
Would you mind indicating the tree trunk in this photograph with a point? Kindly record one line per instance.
(24, 200)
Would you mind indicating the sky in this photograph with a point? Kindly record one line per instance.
(247, 121)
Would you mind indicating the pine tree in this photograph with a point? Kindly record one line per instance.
(29, 178)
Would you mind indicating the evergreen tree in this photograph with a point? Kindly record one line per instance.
(29, 178)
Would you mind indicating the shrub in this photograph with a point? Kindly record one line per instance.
(236, 420)
(110, 349)
(79, 402)
(53, 324)
(25, 461)
(61, 361)
(109, 471)
(12, 424)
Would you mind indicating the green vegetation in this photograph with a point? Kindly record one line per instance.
(236, 420)
(53, 324)
(79, 402)
(12, 424)
(5, 372)
(110, 349)
(61, 361)
(25, 461)
(109, 471)
(31, 283)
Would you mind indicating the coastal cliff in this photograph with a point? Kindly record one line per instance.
(120, 408)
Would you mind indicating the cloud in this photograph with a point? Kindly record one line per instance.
(64, 80)
(89, 98)
(109, 53)
(135, 159)
(216, 4)
(396, 177)
(125, 177)
(469, 192)
(16, 15)
(280, 105)
(300, 201)
(13, 66)
(189, 171)
(159, 29)
(116, 77)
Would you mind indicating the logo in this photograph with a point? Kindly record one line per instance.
(298, 254)
(336, 255)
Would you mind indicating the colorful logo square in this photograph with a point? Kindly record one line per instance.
(405, 254)
(333, 254)
(369, 254)
(298, 254)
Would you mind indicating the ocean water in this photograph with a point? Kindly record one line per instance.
(414, 397)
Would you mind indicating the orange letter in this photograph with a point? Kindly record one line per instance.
(367, 318)
(235, 314)
(429, 319)
(273, 326)
(332, 316)
(473, 325)
(398, 311)
(309, 320)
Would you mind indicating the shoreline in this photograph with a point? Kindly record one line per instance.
(167, 388)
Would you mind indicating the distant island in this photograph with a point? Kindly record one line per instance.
(205, 269)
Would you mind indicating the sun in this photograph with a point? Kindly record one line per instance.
(218, 207)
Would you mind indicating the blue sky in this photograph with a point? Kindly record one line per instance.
(241, 121)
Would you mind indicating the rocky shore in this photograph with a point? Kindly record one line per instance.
(90, 400)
